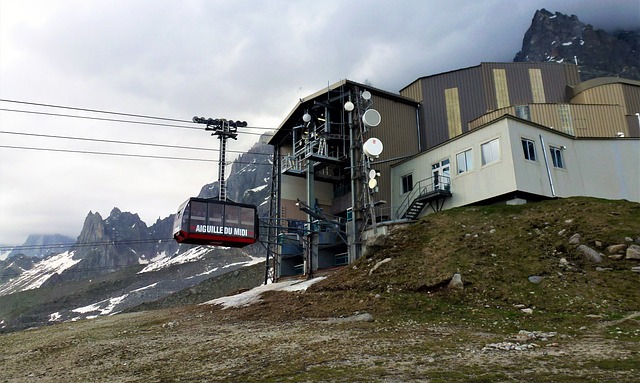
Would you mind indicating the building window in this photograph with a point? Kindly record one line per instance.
(407, 183)
(522, 111)
(490, 151)
(556, 157)
(529, 149)
(464, 161)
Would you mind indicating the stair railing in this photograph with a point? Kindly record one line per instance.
(421, 188)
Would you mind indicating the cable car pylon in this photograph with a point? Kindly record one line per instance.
(224, 129)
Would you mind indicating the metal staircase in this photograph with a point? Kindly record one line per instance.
(414, 209)
(429, 192)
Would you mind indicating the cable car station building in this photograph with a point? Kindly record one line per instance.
(351, 160)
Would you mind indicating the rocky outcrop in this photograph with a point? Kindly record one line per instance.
(119, 241)
(561, 38)
(616, 251)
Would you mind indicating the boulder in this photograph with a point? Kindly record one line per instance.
(456, 282)
(535, 279)
(633, 252)
(617, 249)
(575, 239)
(589, 253)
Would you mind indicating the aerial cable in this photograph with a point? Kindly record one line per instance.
(96, 118)
(128, 155)
(116, 120)
(93, 110)
(107, 153)
(86, 244)
(107, 112)
(121, 142)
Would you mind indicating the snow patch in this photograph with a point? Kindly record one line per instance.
(39, 273)
(252, 296)
(55, 317)
(104, 307)
(191, 255)
(257, 189)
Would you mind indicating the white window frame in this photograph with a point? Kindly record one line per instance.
(467, 156)
(529, 151)
(493, 153)
(557, 158)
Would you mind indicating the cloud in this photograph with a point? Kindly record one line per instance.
(246, 60)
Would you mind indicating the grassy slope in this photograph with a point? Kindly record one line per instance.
(496, 249)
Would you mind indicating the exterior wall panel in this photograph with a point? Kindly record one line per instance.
(585, 121)
(537, 85)
(554, 77)
(413, 91)
(631, 98)
(398, 131)
(454, 122)
(605, 94)
(434, 110)
(479, 93)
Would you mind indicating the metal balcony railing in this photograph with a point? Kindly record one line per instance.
(415, 201)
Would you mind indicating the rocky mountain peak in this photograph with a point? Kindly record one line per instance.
(92, 229)
(115, 212)
(557, 37)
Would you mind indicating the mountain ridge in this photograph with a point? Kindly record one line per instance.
(561, 38)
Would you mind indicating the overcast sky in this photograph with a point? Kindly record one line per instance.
(240, 60)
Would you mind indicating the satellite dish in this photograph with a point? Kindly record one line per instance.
(348, 106)
(371, 117)
(372, 173)
(366, 95)
(373, 183)
(372, 147)
(306, 117)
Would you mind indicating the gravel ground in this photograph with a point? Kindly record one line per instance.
(204, 343)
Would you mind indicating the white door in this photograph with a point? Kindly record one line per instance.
(441, 172)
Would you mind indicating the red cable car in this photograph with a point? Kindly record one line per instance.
(202, 221)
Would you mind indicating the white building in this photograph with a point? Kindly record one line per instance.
(514, 160)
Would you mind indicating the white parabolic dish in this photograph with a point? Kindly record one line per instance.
(371, 117)
(372, 147)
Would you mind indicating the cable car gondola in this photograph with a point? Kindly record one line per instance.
(202, 221)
